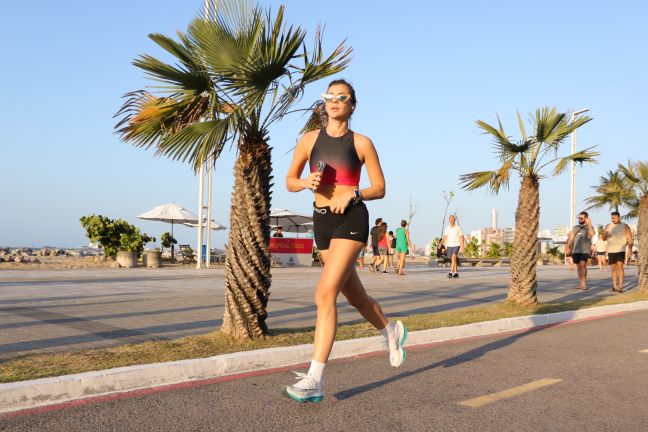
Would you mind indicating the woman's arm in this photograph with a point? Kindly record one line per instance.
(294, 182)
(367, 152)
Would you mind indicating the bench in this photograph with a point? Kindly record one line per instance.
(479, 262)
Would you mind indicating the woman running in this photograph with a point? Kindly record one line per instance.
(341, 229)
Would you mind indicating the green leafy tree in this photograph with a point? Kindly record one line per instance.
(636, 174)
(167, 240)
(528, 157)
(553, 252)
(494, 250)
(240, 70)
(508, 249)
(435, 245)
(471, 248)
(114, 235)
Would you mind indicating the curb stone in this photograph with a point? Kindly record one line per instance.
(24, 395)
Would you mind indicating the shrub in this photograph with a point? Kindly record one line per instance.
(114, 235)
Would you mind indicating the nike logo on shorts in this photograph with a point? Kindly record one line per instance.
(353, 233)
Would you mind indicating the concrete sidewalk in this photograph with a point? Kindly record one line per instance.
(62, 310)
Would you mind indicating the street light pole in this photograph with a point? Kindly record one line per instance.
(201, 192)
(572, 209)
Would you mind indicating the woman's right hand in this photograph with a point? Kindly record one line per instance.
(312, 181)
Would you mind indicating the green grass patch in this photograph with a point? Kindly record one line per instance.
(214, 343)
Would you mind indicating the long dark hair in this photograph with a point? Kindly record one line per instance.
(382, 231)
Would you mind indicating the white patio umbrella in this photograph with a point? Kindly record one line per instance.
(170, 213)
(215, 226)
(289, 220)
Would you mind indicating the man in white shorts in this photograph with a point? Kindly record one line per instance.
(453, 239)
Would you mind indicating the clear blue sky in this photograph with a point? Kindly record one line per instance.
(424, 72)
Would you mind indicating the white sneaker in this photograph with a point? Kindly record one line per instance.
(306, 390)
(397, 353)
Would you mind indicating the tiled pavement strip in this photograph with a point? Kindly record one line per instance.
(62, 310)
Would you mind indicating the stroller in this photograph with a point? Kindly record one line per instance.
(442, 257)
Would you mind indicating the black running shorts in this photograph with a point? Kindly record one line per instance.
(616, 257)
(578, 257)
(353, 224)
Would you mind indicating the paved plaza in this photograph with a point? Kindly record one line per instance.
(62, 310)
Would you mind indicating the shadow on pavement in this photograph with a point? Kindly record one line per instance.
(453, 361)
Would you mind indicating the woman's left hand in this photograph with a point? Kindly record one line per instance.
(339, 204)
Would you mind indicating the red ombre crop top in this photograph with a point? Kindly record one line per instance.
(343, 163)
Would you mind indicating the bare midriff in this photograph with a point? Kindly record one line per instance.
(326, 193)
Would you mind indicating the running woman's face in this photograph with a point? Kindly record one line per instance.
(339, 110)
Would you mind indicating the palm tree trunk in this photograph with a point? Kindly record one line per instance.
(523, 283)
(642, 234)
(247, 268)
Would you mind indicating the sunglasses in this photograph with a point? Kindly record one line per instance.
(330, 98)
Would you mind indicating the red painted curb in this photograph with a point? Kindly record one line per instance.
(200, 383)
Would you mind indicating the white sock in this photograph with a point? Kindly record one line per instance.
(389, 333)
(316, 371)
(385, 332)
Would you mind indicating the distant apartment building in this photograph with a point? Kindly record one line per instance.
(561, 231)
(486, 236)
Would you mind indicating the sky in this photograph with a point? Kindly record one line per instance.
(424, 72)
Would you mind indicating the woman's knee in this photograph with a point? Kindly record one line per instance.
(325, 297)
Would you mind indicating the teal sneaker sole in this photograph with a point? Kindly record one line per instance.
(403, 342)
(314, 399)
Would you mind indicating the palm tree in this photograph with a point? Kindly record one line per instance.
(238, 73)
(528, 157)
(494, 250)
(553, 253)
(612, 191)
(636, 174)
(472, 248)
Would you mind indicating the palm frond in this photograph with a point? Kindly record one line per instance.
(552, 127)
(521, 124)
(195, 143)
(583, 156)
(493, 180)
(504, 147)
(317, 119)
(317, 66)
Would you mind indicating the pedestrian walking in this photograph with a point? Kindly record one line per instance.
(619, 242)
(600, 248)
(403, 244)
(373, 242)
(453, 240)
(383, 246)
(579, 245)
(341, 228)
(391, 250)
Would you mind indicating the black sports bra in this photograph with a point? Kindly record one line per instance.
(343, 163)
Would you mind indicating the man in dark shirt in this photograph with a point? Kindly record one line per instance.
(373, 242)
(278, 232)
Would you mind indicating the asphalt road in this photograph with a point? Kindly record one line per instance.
(63, 310)
(589, 376)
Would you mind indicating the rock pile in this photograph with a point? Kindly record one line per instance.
(29, 255)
